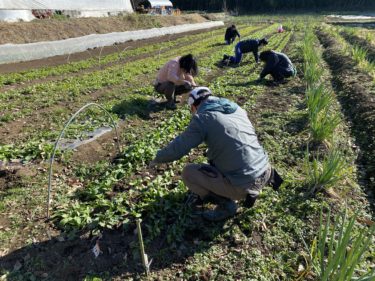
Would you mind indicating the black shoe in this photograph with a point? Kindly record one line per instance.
(225, 57)
(275, 180)
(171, 105)
(225, 209)
(250, 200)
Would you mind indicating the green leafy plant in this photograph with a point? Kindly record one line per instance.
(326, 172)
(323, 121)
(339, 248)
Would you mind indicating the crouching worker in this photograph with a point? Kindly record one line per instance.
(176, 78)
(230, 34)
(243, 47)
(278, 65)
(238, 168)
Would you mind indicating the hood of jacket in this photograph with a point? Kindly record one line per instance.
(219, 105)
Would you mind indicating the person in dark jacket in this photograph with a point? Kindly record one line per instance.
(245, 46)
(230, 34)
(278, 65)
(239, 167)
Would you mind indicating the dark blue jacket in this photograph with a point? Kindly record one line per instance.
(278, 61)
(250, 45)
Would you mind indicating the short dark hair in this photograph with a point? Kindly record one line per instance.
(189, 64)
(233, 26)
(263, 56)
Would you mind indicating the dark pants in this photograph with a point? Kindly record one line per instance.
(170, 90)
(237, 55)
(279, 73)
(229, 41)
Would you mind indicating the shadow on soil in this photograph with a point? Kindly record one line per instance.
(64, 258)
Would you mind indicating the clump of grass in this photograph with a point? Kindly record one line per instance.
(359, 54)
(338, 249)
(319, 100)
(323, 121)
(324, 173)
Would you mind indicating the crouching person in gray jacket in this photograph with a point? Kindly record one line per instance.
(238, 168)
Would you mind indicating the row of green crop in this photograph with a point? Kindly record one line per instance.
(357, 52)
(47, 94)
(329, 258)
(134, 158)
(83, 125)
(319, 98)
(74, 67)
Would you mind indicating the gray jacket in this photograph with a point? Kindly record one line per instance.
(233, 147)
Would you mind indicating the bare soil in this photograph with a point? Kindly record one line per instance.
(55, 29)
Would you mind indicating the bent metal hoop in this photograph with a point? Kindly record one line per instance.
(61, 135)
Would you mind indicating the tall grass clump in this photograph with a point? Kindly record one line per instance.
(311, 65)
(340, 248)
(323, 121)
(359, 54)
(325, 172)
(319, 100)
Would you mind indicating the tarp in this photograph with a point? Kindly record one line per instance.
(13, 16)
(160, 3)
(77, 5)
(32, 51)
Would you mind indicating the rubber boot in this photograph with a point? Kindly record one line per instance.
(171, 105)
(225, 209)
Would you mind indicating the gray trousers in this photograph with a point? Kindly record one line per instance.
(170, 90)
(202, 179)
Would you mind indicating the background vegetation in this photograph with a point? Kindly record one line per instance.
(245, 6)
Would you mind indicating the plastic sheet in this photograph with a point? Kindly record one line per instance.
(24, 52)
(75, 5)
(13, 16)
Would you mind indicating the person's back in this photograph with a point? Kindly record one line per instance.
(277, 64)
(233, 146)
(249, 45)
(284, 60)
(238, 166)
(230, 34)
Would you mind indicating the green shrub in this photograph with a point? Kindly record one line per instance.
(325, 173)
(339, 249)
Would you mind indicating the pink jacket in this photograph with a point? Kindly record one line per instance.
(172, 72)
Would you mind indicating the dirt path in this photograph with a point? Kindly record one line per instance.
(55, 29)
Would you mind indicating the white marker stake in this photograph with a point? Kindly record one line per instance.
(96, 249)
(144, 257)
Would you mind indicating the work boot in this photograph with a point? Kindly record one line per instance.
(250, 200)
(275, 180)
(225, 209)
(171, 105)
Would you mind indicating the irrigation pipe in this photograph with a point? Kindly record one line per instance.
(61, 135)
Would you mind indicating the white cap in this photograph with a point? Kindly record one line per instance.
(198, 93)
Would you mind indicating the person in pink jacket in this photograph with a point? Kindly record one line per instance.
(176, 78)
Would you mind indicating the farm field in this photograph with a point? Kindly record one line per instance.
(317, 128)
